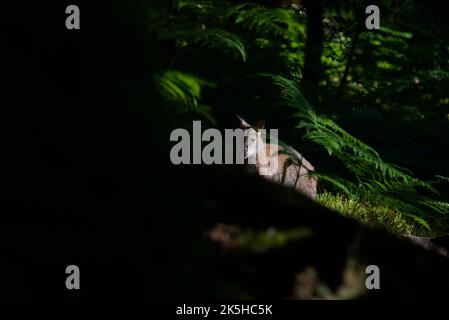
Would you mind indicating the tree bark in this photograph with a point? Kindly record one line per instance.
(312, 73)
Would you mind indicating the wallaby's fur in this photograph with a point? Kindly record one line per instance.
(283, 165)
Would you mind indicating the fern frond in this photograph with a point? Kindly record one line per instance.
(442, 178)
(186, 89)
(345, 186)
(378, 181)
(212, 38)
(196, 7)
(263, 20)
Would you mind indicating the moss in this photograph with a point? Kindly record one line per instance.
(374, 215)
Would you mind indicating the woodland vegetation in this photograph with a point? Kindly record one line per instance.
(88, 179)
(367, 107)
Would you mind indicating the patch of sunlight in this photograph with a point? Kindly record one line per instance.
(443, 102)
(401, 34)
(263, 43)
(372, 214)
(261, 241)
(387, 66)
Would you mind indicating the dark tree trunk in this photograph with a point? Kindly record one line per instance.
(349, 62)
(355, 34)
(312, 72)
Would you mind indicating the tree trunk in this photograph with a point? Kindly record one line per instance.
(312, 73)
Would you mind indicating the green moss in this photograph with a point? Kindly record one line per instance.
(372, 214)
(261, 241)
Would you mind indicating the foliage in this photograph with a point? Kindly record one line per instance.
(184, 89)
(373, 179)
(262, 241)
(273, 25)
(212, 38)
(376, 215)
(265, 21)
(198, 23)
(386, 87)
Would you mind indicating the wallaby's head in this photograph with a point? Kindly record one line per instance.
(252, 137)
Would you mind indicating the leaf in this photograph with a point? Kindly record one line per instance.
(186, 89)
(213, 38)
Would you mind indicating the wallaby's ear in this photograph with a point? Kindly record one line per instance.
(260, 124)
(243, 123)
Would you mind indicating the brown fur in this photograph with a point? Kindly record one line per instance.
(292, 169)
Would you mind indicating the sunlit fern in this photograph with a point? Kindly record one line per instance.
(195, 27)
(374, 179)
(185, 89)
(263, 20)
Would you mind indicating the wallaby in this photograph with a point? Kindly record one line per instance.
(281, 164)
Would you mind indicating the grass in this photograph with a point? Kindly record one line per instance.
(374, 215)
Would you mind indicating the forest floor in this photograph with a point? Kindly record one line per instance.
(374, 215)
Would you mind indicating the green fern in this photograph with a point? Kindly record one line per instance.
(194, 27)
(442, 178)
(197, 7)
(263, 20)
(185, 89)
(375, 180)
(212, 38)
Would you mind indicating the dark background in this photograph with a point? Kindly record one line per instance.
(86, 175)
